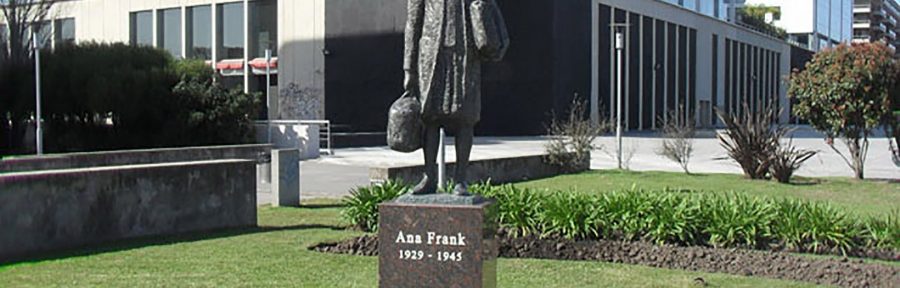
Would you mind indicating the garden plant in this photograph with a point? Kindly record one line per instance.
(670, 217)
(848, 92)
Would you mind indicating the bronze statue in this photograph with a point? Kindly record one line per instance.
(446, 41)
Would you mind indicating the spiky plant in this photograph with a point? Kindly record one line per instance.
(752, 139)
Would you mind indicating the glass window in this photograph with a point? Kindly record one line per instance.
(65, 32)
(647, 26)
(4, 35)
(660, 65)
(823, 15)
(690, 4)
(44, 33)
(631, 103)
(263, 28)
(231, 31)
(169, 31)
(835, 31)
(605, 54)
(847, 21)
(708, 7)
(142, 28)
(199, 37)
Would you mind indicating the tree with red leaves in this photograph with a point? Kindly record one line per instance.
(848, 92)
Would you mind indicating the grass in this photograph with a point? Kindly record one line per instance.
(866, 198)
(276, 255)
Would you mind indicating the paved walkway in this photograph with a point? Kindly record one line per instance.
(710, 157)
(334, 176)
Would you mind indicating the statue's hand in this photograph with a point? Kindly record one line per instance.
(411, 84)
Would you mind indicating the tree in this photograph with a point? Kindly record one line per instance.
(847, 92)
(21, 17)
(17, 19)
(755, 17)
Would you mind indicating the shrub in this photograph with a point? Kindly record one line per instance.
(665, 217)
(883, 233)
(517, 208)
(361, 207)
(787, 159)
(87, 85)
(737, 220)
(572, 139)
(118, 96)
(751, 140)
(567, 215)
(813, 227)
(210, 113)
(678, 139)
(847, 92)
(671, 219)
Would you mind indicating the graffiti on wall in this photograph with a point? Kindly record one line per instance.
(301, 103)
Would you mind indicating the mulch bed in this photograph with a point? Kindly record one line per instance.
(826, 271)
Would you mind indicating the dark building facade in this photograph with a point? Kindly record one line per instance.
(674, 57)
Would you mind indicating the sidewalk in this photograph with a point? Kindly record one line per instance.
(334, 176)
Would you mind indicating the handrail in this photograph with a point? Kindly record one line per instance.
(324, 130)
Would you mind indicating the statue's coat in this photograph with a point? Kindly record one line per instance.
(440, 50)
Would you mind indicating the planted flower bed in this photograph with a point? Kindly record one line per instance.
(673, 217)
(674, 229)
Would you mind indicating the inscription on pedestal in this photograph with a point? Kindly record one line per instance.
(428, 245)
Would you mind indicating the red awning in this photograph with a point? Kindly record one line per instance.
(260, 63)
(230, 64)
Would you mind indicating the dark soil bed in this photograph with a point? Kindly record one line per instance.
(778, 265)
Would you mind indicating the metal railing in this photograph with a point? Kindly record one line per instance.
(325, 137)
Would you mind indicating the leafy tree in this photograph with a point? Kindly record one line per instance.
(17, 19)
(755, 17)
(21, 17)
(210, 113)
(847, 92)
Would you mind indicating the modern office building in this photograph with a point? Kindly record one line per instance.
(876, 20)
(342, 60)
(811, 24)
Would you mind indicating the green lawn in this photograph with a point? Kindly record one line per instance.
(861, 197)
(276, 255)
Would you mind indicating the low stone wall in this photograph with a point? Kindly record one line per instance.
(59, 209)
(302, 137)
(498, 170)
(134, 157)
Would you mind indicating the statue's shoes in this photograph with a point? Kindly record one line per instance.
(461, 189)
(425, 187)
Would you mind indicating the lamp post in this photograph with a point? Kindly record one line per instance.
(442, 165)
(39, 132)
(268, 98)
(620, 46)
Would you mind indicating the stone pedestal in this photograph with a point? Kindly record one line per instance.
(286, 178)
(437, 241)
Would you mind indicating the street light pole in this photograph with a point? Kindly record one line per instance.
(620, 45)
(268, 98)
(442, 166)
(39, 132)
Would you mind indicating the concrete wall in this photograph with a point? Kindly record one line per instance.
(301, 67)
(52, 210)
(498, 171)
(133, 157)
(301, 137)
